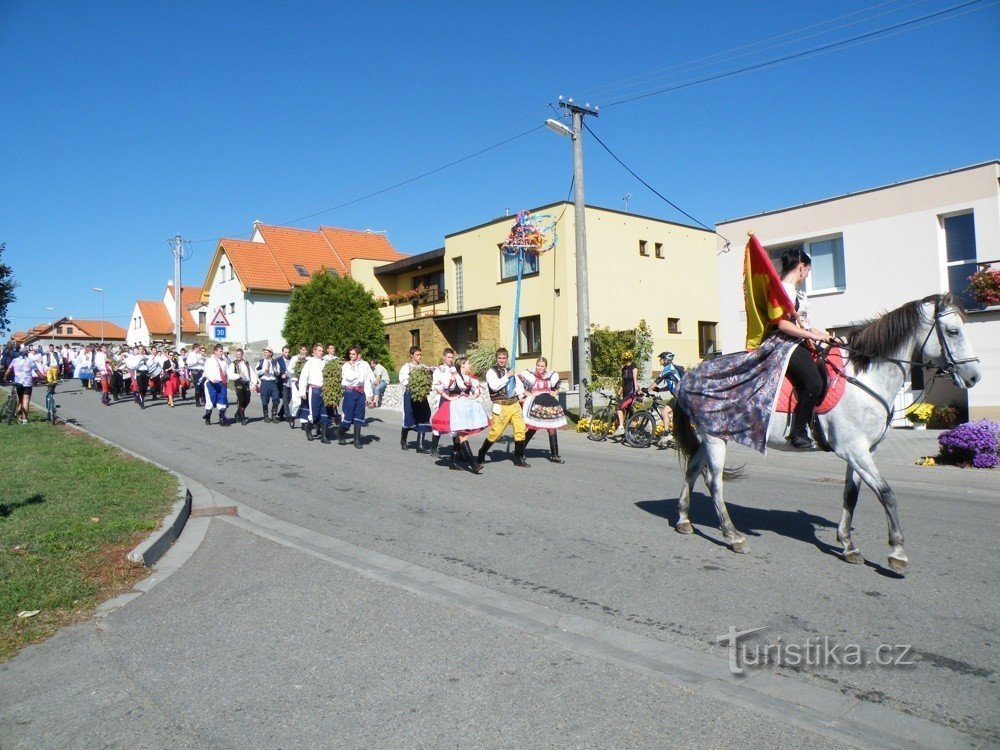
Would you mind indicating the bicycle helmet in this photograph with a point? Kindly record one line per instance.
(627, 355)
(669, 356)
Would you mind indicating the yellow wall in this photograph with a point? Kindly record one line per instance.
(624, 286)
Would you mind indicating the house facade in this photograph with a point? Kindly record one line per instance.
(152, 321)
(638, 268)
(877, 249)
(251, 282)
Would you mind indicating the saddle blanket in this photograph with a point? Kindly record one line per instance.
(835, 385)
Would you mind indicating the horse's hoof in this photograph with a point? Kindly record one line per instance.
(740, 548)
(854, 558)
(684, 527)
(897, 565)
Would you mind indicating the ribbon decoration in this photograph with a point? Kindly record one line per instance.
(529, 235)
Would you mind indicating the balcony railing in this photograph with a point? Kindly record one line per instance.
(427, 303)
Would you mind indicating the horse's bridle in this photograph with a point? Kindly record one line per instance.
(951, 364)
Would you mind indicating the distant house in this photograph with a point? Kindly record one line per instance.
(251, 282)
(72, 331)
(152, 321)
(877, 249)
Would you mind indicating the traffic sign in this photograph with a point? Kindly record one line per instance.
(219, 319)
(219, 333)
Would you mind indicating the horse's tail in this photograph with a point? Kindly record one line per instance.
(687, 441)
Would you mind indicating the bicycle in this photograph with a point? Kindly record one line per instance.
(604, 421)
(9, 408)
(50, 403)
(642, 427)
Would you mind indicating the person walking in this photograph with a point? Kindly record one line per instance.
(311, 387)
(542, 410)
(461, 415)
(442, 377)
(195, 361)
(298, 397)
(416, 411)
(268, 371)
(171, 378)
(102, 373)
(357, 384)
(24, 369)
(507, 395)
(285, 380)
(215, 377)
(244, 379)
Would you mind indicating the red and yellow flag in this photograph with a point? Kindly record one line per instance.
(767, 301)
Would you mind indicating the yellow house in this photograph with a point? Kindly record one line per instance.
(639, 268)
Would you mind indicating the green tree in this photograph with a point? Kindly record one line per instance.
(336, 310)
(7, 287)
(607, 346)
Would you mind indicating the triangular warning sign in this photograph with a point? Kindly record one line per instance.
(219, 319)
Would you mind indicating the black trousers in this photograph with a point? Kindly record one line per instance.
(242, 396)
(808, 382)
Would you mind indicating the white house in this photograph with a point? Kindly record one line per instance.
(252, 282)
(877, 249)
(153, 320)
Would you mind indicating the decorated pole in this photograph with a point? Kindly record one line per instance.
(528, 235)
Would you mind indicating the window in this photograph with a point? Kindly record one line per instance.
(415, 337)
(59, 329)
(232, 307)
(642, 248)
(301, 270)
(69, 330)
(202, 320)
(459, 286)
(960, 242)
(706, 340)
(673, 325)
(508, 265)
(658, 249)
(222, 273)
(827, 257)
(529, 336)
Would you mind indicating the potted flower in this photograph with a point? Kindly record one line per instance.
(985, 286)
(920, 415)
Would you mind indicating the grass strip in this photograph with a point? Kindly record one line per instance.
(71, 508)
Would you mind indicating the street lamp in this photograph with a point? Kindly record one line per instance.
(101, 292)
(582, 285)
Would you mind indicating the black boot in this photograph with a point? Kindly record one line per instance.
(519, 455)
(307, 426)
(422, 442)
(799, 434)
(208, 418)
(341, 435)
(474, 466)
(527, 437)
(243, 417)
(324, 435)
(402, 439)
(481, 457)
(274, 413)
(223, 422)
(434, 445)
(357, 436)
(456, 453)
(554, 449)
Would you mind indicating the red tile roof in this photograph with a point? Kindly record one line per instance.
(93, 328)
(157, 318)
(349, 244)
(255, 265)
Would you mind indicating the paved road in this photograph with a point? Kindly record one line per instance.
(591, 538)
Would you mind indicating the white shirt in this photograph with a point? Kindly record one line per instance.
(404, 373)
(380, 374)
(215, 370)
(242, 371)
(443, 377)
(530, 379)
(100, 361)
(801, 302)
(194, 361)
(357, 375)
(312, 374)
(267, 369)
(496, 383)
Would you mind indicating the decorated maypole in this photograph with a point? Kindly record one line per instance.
(529, 235)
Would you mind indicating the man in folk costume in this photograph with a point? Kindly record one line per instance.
(244, 379)
(268, 375)
(507, 395)
(285, 386)
(102, 372)
(311, 388)
(416, 412)
(442, 379)
(297, 399)
(357, 384)
(216, 378)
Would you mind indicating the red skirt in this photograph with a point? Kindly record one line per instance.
(171, 385)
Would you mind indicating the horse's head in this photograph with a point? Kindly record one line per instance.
(946, 345)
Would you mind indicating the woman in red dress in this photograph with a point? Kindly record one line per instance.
(171, 378)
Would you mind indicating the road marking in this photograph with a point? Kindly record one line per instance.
(815, 709)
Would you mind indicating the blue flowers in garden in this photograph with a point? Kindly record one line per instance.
(975, 443)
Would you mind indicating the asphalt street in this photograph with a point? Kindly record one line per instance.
(589, 538)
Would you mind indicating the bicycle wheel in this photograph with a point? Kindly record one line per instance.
(601, 424)
(9, 409)
(640, 429)
(50, 407)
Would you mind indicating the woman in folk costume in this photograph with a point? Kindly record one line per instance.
(461, 414)
(171, 379)
(542, 410)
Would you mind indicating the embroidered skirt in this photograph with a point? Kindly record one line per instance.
(463, 416)
(542, 411)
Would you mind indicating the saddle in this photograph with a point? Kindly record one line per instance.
(834, 383)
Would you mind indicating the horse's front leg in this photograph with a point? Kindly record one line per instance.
(715, 451)
(852, 487)
(864, 465)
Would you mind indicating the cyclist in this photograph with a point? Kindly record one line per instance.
(25, 368)
(668, 379)
(630, 389)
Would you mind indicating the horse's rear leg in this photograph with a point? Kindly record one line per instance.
(864, 465)
(694, 468)
(715, 457)
(852, 486)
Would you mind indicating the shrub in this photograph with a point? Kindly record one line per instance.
(943, 418)
(920, 413)
(973, 443)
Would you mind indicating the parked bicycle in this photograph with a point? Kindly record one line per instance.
(9, 408)
(50, 403)
(646, 426)
(604, 421)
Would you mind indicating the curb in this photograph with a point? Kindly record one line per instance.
(150, 550)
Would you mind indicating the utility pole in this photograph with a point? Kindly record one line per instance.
(177, 250)
(582, 282)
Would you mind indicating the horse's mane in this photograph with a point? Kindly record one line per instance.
(881, 337)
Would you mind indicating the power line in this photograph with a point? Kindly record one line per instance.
(803, 53)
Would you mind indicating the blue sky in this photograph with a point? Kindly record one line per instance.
(127, 123)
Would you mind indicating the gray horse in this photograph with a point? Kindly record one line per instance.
(929, 332)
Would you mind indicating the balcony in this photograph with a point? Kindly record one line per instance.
(417, 303)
